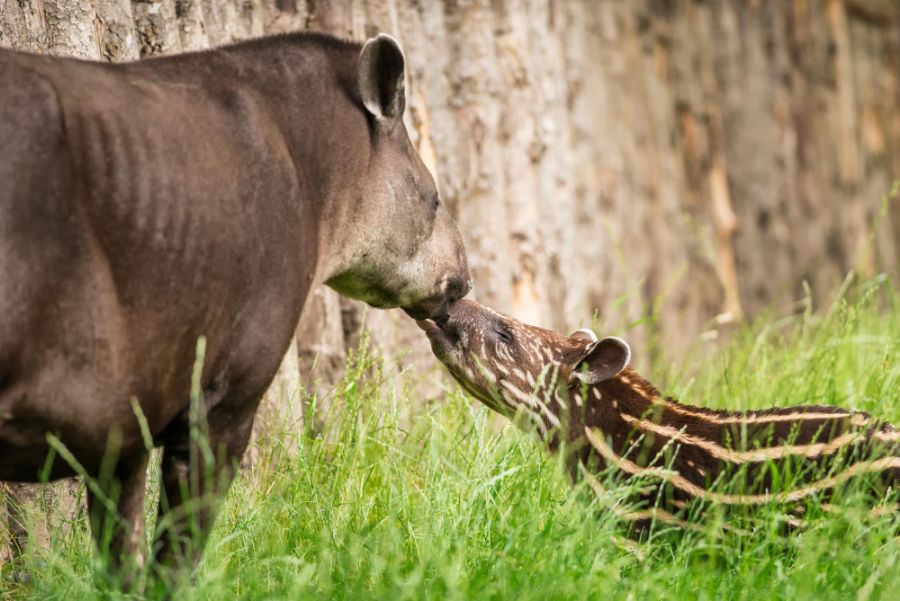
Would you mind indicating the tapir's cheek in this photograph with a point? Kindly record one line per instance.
(442, 350)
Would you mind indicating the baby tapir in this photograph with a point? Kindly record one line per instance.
(580, 395)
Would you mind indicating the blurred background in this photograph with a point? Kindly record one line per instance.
(663, 169)
(669, 167)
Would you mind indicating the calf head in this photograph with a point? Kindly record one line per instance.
(405, 249)
(518, 369)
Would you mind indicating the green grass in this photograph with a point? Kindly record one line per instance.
(406, 500)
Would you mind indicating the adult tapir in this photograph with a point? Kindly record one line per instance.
(146, 205)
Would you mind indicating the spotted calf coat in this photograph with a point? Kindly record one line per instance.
(582, 398)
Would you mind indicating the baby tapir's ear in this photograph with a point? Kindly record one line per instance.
(584, 335)
(381, 65)
(602, 360)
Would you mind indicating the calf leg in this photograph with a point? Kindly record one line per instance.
(116, 509)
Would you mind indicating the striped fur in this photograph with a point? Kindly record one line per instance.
(545, 381)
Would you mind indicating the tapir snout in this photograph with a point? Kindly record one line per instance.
(451, 272)
(500, 360)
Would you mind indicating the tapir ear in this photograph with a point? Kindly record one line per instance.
(602, 360)
(584, 335)
(381, 65)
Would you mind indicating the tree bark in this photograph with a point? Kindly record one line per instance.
(671, 166)
(70, 28)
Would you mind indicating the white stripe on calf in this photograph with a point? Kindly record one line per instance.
(678, 481)
(857, 419)
(755, 455)
(531, 401)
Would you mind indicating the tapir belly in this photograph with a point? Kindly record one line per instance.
(86, 367)
(71, 369)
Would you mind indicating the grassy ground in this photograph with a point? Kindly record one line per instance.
(446, 507)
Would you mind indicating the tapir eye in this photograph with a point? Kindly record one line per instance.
(435, 202)
(504, 336)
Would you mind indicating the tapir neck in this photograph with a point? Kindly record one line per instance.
(315, 104)
(610, 403)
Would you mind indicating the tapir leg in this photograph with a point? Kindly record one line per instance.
(196, 473)
(117, 516)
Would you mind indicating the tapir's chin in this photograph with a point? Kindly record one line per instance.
(429, 326)
(441, 342)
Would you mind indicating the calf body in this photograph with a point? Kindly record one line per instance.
(145, 206)
(580, 394)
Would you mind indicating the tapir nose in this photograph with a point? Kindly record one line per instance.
(459, 284)
(454, 286)
(454, 290)
(459, 287)
(457, 313)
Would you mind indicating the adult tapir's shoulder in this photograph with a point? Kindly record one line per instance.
(59, 91)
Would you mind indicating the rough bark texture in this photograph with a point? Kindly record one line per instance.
(678, 163)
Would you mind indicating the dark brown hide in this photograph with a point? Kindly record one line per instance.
(146, 205)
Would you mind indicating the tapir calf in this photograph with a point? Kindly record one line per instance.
(580, 395)
(147, 205)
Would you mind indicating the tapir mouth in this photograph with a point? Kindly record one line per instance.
(429, 326)
(436, 310)
(442, 342)
(434, 328)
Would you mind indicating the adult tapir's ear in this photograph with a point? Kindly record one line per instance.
(602, 360)
(381, 64)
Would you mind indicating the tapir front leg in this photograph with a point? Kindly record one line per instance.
(117, 517)
(196, 473)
